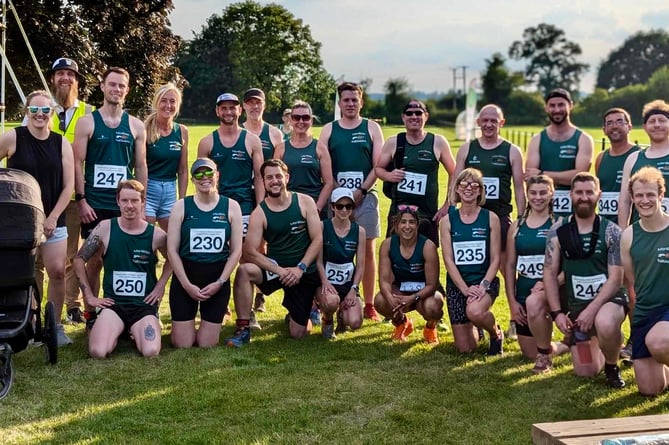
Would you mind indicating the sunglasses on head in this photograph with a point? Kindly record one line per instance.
(407, 208)
(343, 206)
(35, 109)
(300, 117)
(206, 173)
(473, 185)
(413, 113)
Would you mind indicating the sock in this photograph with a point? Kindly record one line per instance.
(545, 351)
(242, 323)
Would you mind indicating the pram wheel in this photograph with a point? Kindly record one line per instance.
(50, 337)
(6, 370)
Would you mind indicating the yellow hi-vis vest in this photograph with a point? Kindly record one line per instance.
(80, 110)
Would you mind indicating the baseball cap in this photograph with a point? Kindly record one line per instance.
(227, 97)
(558, 92)
(286, 111)
(413, 103)
(254, 93)
(64, 63)
(202, 162)
(341, 193)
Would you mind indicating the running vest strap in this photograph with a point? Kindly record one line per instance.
(236, 171)
(305, 169)
(495, 164)
(351, 151)
(163, 156)
(471, 246)
(205, 235)
(266, 141)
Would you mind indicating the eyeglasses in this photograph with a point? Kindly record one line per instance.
(617, 123)
(206, 173)
(62, 125)
(344, 206)
(413, 113)
(407, 208)
(300, 117)
(473, 185)
(34, 109)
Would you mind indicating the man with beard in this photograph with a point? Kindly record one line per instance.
(109, 147)
(655, 116)
(560, 151)
(131, 290)
(289, 223)
(355, 145)
(64, 78)
(586, 248)
(270, 136)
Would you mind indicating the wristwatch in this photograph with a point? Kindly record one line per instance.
(363, 191)
(485, 283)
(416, 297)
(79, 196)
(302, 266)
(356, 288)
(221, 281)
(554, 314)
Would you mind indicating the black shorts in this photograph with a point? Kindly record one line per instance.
(184, 308)
(457, 302)
(297, 299)
(504, 224)
(640, 330)
(523, 329)
(102, 214)
(131, 314)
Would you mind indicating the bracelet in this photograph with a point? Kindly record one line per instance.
(417, 297)
(221, 281)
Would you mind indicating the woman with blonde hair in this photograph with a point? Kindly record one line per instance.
(166, 155)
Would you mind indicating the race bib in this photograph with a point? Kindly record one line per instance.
(269, 276)
(491, 186)
(587, 288)
(339, 273)
(129, 284)
(350, 180)
(561, 201)
(245, 224)
(207, 240)
(469, 253)
(411, 286)
(608, 203)
(108, 176)
(665, 205)
(413, 183)
(530, 266)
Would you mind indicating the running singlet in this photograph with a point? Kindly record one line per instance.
(351, 153)
(130, 266)
(471, 246)
(235, 167)
(530, 248)
(650, 255)
(409, 272)
(287, 235)
(163, 156)
(495, 165)
(266, 141)
(110, 159)
(610, 176)
(205, 235)
(305, 169)
(420, 186)
(559, 156)
(662, 164)
(339, 253)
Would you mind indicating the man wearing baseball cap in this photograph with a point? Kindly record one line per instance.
(254, 106)
(560, 151)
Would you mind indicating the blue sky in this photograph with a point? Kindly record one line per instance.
(422, 40)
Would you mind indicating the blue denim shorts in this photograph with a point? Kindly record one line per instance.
(60, 234)
(160, 197)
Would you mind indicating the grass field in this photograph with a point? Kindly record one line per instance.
(359, 389)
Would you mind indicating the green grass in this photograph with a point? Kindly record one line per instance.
(359, 389)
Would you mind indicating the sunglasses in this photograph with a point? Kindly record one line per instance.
(413, 113)
(473, 185)
(343, 206)
(206, 173)
(34, 109)
(301, 117)
(407, 208)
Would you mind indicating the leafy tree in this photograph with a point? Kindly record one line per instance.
(251, 45)
(97, 34)
(551, 58)
(634, 62)
(525, 108)
(498, 82)
(397, 95)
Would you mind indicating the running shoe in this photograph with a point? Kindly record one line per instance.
(442, 325)
(253, 323)
(430, 335)
(315, 317)
(259, 303)
(511, 333)
(370, 313)
(341, 326)
(403, 331)
(61, 337)
(613, 378)
(542, 364)
(239, 338)
(328, 331)
(497, 344)
(626, 354)
(90, 317)
(75, 316)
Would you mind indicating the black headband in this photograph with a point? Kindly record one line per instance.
(655, 111)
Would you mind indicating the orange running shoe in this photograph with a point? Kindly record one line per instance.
(430, 335)
(402, 331)
(370, 313)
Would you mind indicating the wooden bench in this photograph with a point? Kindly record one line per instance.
(591, 432)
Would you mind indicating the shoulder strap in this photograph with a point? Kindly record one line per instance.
(398, 158)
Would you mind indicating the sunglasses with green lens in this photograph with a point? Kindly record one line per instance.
(206, 173)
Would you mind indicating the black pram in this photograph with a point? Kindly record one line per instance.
(21, 230)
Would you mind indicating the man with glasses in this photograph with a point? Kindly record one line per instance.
(355, 144)
(417, 181)
(560, 151)
(109, 147)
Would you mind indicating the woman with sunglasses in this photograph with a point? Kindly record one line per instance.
(471, 245)
(48, 157)
(308, 161)
(524, 271)
(166, 155)
(204, 244)
(340, 265)
(408, 277)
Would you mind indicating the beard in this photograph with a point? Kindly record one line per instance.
(557, 119)
(585, 209)
(66, 95)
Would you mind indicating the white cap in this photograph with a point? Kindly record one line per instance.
(340, 193)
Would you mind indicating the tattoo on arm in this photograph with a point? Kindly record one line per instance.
(149, 333)
(550, 247)
(613, 244)
(91, 245)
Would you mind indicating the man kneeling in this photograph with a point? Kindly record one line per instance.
(131, 292)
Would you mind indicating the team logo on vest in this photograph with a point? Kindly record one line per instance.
(475, 160)
(479, 232)
(351, 246)
(663, 255)
(123, 137)
(238, 155)
(663, 166)
(175, 146)
(542, 233)
(416, 267)
(499, 160)
(297, 227)
(359, 138)
(568, 151)
(219, 218)
(306, 159)
(141, 256)
(425, 155)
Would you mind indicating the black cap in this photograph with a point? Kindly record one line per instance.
(558, 92)
(254, 93)
(202, 162)
(65, 64)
